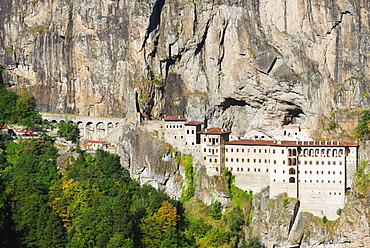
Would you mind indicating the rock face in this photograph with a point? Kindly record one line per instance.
(239, 64)
(280, 223)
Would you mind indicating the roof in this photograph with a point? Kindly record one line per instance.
(94, 141)
(214, 130)
(290, 143)
(175, 118)
(193, 123)
(3, 126)
(291, 127)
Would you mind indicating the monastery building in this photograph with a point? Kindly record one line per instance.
(318, 173)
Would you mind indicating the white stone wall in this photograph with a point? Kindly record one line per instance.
(211, 149)
(250, 165)
(175, 133)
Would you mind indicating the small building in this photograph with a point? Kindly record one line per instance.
(94, 144)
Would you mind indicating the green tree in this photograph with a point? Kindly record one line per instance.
(362, 128)
(254, 242)
(215, 210)
(26, 110)
(67, 129)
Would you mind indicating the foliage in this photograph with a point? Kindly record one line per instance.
(324, 219)
(215, 210)
(67, 129)
(188, 190)
(363, 127)
(339, 211)
(362, 178)
(254, 242)
(18, 108)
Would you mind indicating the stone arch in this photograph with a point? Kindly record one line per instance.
(328, 153)
(291, 180)
(305, 152)
(100, 130)
(291, 171)
(335, 153)
(317, 153)
(80, 127)
(323, 154)
(311, 154)
(341, 153)
(89, 130)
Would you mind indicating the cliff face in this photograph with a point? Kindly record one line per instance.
(238, 64)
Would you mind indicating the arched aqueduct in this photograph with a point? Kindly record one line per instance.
(90, 127)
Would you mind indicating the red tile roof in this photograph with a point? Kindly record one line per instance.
(292, 127)
(94, 141)
(175, 118)
(193, 123)
(3, 126)
(289, 143)
(214, 130)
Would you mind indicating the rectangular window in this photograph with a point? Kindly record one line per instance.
(310, 162)
(328, 162)
(274, 161)
(259, 150)
(227, 159)
(192, 131)
(273, 151)
(237, 150)
(265, 150)
(333, 162)
(254, 150)
(187, 131)
(322, 162)
(267, 170)
(283, 161)
(259, 160)
(317, 162)
(232, 160)
(210, 160)
(274, 171)
(205, 149)
(242, 150)
(249, 169)
(305, 162)
(282, 151)
(254, 160)
(227, 150)
(242, 160)
(241, 169)
(205, 158)
(340, 163)
(237, 160)
(248, 160)
(215, 160)
(232, 150)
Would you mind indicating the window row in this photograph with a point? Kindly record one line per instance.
(174, 126)
(322, 162)
(248, 169)
(255, 150)
(322, 152)
(319, 181)
(242, 160)
(188, 131)
(292, 171)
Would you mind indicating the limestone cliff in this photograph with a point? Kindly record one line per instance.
(237, 64)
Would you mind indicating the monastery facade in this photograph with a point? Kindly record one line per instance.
(318, 173)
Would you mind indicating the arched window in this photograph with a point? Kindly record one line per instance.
(340, 152)
(289, 152)
(311, 153)
(335, 153)
(292, 180)
(328, 153)
(292, 171)
(317, 153)
(289, 161)
(294, 152)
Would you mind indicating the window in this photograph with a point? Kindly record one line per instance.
(241, 169)
(329, 172)
(259, 150)
(187, 131)
(255, 170)
(248, 150)
(237, 149)
(282, 151)
(317, 172)
(205, 149)
(274, 171)
(181, 137)
(317, 162)
(322, 162)
(310, 172)
(259, 160)
(210, 160)
(205, 139)
(209, 150)
(259, 170)
(274, 180)
(333, 172)
(237, 160)
(242, 150)
(227, 149)
(248, 160)
(254, 150)
(267, 170)
(266, 161)
(175, 137)
(242, 160)
(340, 173)
(340, 162)
(283, 171)
(333, 162)
(322, 172)
(265, 151)
(227, 159)
(204, 158)
(216, 150)
(328, 162)
(232, 150)
(248, 169)
(215, 160)
(305, 162)
(232, 160)
(237, 169)
(192, 131)
(310, 162)
(283, 161)
(273, 151)
(274, 161)
(217, 168)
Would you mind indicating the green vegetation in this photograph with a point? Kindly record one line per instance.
(67, 129)
(324, 219)
(18, 108)
(363, 127)
(362, 178)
